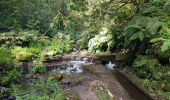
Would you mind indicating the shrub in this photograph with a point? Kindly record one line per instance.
(12, 77)
(40, 68)
(61, 41)
(19, 38)
(140, 62)
(40, 42)
(42, 89)
(147, 67)
(6, 60)
(8, 73)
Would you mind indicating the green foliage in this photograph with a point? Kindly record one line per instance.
(6, 60)
(155, 77)
(36, 15)
(22, 54)
(147, 67)
(40, 68)
(61, 42)
(13, 76)
(102, 41)
(8, 73)
(162, 43)
(42, 89)
(39, 41)
(139, 29)
(148, 84)
(151, 21)
(140, 62)
(19, 38)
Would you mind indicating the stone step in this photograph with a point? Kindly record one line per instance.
(51, 60)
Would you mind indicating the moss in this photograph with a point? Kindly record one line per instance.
(57, 75)
(101, 90)
(69, 95)
(22, 54)
(78, 80)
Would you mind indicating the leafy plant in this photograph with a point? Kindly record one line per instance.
(147, 67)
(13, 76)
(39, 41)
(62, 42)
(8, 73)
(40, 68)
(140, 29)
(140, 62)
(42, 89)
(6, 60)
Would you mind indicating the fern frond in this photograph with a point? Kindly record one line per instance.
(153, 26)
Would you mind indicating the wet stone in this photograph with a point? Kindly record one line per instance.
(65, 81)
(63, 67)
(5, 96)
(11, 98)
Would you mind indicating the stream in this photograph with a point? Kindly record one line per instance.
(106, 72)
(76, 66)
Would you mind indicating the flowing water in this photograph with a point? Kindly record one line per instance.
(74, 66)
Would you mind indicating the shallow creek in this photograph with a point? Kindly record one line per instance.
(118, 86)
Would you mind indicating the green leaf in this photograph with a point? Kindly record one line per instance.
(134, 36)
(141, 35)
(165, 46)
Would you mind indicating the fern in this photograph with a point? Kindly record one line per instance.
(162, 40)
(153, 26)
(139, 28)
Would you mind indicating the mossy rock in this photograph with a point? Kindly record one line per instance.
(77, 80)
(57, 76)
(101, 90)
(24, 57)
(69, 95)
